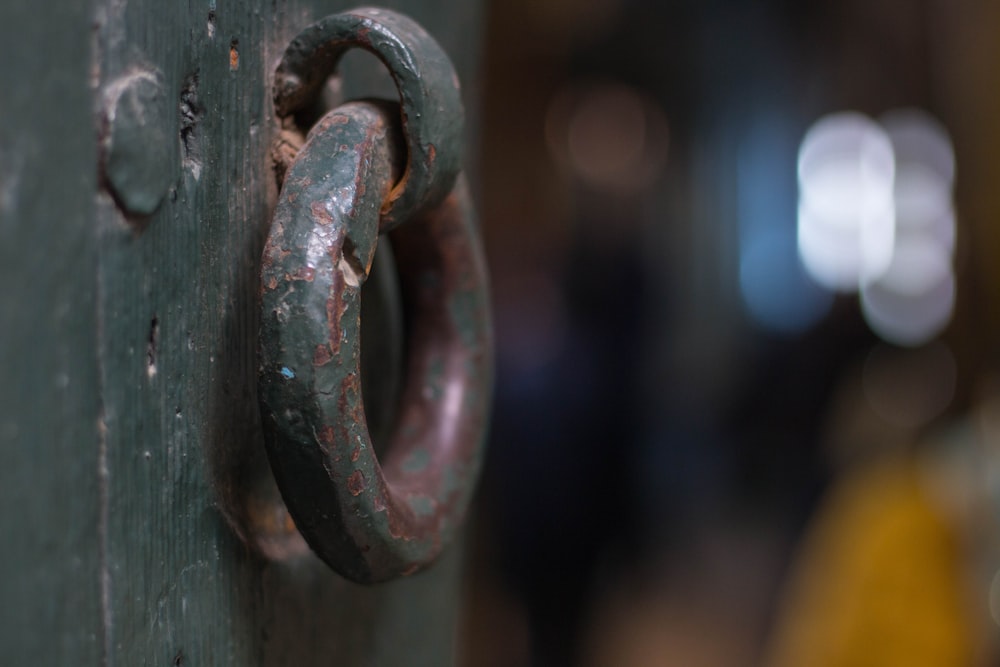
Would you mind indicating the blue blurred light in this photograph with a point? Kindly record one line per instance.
(777, 292)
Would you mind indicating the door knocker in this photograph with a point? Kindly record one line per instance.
(368, 168)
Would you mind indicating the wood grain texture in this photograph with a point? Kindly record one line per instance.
(49, 443)
(131, 344)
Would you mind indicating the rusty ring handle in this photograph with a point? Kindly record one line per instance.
(371, 520)
(430, 99)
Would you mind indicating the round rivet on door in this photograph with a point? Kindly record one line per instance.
(138, 155)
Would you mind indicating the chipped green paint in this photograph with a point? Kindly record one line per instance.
(374, 520)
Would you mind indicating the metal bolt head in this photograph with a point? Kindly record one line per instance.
(140, 160)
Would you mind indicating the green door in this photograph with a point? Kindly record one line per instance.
(137, 181)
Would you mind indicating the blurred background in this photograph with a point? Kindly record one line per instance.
(746, 273)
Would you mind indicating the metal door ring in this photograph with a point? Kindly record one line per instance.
(372, 520)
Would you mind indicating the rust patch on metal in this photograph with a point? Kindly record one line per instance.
(356, 483)
(351, 407)
(329, 120)
(327, 435)
(320, 214)
(306, 273)
(322, 355)
(273, 255)
(334, 311)
(268, 259)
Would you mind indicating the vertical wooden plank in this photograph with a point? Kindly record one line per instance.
(49, 443)
(966, 89)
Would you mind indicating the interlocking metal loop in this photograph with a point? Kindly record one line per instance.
(373, 520)
(430, 99)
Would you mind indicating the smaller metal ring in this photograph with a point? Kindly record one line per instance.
(430, 99)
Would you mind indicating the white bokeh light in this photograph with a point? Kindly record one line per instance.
(925, 175)
(914, 300)
(876, 216)
(846, 210)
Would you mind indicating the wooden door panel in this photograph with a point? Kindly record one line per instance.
(49, 405)
(131, 437)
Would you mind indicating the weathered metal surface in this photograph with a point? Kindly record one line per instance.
(430, 100)
(140, 155)
(370, 521)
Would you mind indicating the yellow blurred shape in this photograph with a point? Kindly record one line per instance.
(878, 582)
